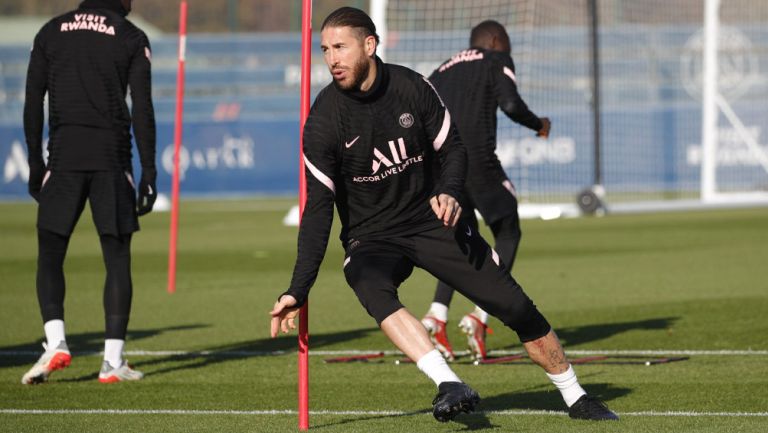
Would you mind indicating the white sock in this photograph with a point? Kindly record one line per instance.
(439, 311)
(113, 352)
(433, 365)
(481, 314)
(54, 333)
(568, 385)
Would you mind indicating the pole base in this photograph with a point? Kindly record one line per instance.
(590, 200)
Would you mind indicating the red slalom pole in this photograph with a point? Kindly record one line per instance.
(306, 63)
(177, 147)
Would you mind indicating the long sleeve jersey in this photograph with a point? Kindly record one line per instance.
(474, 83)
(380, 156)
(85, 60)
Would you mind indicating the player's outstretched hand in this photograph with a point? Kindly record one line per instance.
(147, 192)
(446, 208)
(283, 315)
(546, 125)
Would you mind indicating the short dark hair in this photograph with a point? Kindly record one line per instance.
(351, 17)
(486, 30)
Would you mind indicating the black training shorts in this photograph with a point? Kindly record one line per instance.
(112, 195)
(459, 256)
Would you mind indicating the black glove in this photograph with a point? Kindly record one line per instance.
(147, 191)
(36, 175)
(546, 125)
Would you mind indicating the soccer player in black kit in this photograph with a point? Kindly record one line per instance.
(85, 60)
(474, 83)
(380, 144)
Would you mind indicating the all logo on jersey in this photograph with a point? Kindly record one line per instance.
(406, 120)
(385, 165)
(398, 157)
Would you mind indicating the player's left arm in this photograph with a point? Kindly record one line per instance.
(508, 98)
(37, 86)
(143, 118)
(442, 134)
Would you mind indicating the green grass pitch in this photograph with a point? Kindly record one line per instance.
(692, 281)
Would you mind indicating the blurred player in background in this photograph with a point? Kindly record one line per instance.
(474, 83)
(85, 60)
(380, 144)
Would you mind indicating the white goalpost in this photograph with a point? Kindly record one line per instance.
(715, 103)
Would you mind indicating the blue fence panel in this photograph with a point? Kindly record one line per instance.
(218, 158)
(242, 99)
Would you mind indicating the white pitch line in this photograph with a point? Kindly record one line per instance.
(356, 412)
(670, 352)
(352, 352)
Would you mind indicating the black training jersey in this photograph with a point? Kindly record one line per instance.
(379, 156)
(85, 60)
(474, 83)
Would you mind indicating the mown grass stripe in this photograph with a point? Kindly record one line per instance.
(353, 412)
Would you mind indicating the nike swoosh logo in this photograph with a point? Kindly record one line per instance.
(469, 231)
(349, 144)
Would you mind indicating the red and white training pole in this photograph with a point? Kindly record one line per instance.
(177, 147)
(306, 63)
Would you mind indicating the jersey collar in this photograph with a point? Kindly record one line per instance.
(113, 5)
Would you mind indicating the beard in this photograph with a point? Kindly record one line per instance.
(358, 74)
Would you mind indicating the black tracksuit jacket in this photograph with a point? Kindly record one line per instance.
(85, 60)
(474, 84)
(379, 156)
